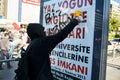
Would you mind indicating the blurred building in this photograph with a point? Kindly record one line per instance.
(19, 11)
(115, 9)
(3, 8)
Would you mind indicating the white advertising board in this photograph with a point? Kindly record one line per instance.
(72, 58)
(12, 10)
(30, 11)
(26, 11)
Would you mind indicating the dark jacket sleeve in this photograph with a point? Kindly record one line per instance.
(53, 40)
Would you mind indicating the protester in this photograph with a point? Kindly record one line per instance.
(11, 36)
(24, 38)
(4, 49)
(38, 55)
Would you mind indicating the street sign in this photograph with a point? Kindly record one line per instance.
(82, 55)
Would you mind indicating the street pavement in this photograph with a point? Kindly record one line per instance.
(113, 69)
(112, 72)
(8, 74)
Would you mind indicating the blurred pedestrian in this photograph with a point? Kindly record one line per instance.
(11, 36)
(4, 49)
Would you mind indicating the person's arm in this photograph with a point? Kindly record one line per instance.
(53, 40)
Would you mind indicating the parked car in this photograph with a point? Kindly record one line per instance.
(111, 46)
(117, 49)
(115, 41)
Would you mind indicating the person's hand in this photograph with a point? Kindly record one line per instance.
(78, 15)
(78, 19)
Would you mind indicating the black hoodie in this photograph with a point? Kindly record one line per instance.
(42, 47)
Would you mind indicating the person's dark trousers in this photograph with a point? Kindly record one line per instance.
(8, 62)
(1, 58)
(6, 54)
(1, 65)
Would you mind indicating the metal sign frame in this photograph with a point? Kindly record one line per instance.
(100, 40)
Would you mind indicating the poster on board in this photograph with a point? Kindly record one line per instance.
(72, 58)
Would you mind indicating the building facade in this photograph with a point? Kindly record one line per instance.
(115, 9)
(3, 9)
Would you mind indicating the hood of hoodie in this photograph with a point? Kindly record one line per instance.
(35, 30)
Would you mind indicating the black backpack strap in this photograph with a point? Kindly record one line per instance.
(26, 57)
(29, 46)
